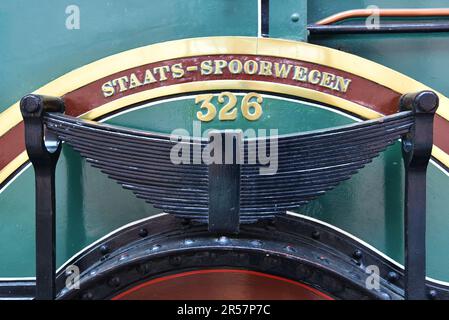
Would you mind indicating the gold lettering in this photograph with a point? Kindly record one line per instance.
(121, 82)
(219, 65)
(108, 89)
(235, 66)
(177, 70)
(328, 80)
(133, 81)
(282, 70)
(162, 72)
(342, 84)
(206, 67)
(250, 67)
(300, 74)
(149, 78)
(314, 77)
(265, 68)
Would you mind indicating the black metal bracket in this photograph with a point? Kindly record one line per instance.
(43, 149)
(416, 149)
(225, 209)
(224, 182)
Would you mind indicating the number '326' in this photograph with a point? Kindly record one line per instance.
(251, 106)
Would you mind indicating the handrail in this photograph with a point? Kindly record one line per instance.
(363, 13)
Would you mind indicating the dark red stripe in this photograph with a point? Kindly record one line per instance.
(361, 91)
(12, 144)
(441, 133)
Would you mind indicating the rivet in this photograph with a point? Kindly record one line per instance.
(295, 17)
(223, 240)
(188, 242)
(316, 235)
(156, 247)
(433, 294)
(143, 232)
(290, 249)
(357, 254)
(104, 249)
(392, 276)
(114, 282)
(30, 104)
(87, 296)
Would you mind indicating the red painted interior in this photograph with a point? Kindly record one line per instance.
(221, 284)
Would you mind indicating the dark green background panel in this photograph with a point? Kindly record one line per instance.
(36, 47)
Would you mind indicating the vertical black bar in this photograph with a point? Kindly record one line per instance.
(45, 233)
(224, 184)
(417, 147)
(33, 108)
(414, 233)
(265, 17)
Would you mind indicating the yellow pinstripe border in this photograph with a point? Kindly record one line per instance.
(224, 45)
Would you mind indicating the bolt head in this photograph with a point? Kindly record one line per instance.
(316, 235)
(295, 17)
(427, 101)
(392, 276)
(357, 254)
(433, 294)
(104, 249)
(30, 103)
(143, 232)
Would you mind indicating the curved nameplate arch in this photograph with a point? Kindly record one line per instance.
(368, 92)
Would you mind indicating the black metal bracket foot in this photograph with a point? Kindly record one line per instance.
(224, 182)
(416, 149)
(43, 149)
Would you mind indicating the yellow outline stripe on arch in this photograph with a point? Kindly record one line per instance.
(224, 45)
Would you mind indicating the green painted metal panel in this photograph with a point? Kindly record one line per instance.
(420, 56)
(36, 47)
(369, 205)
(288, 19)
(85, 212)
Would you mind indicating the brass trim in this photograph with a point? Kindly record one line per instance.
(363, 13)
(224, 45)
